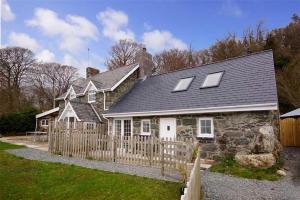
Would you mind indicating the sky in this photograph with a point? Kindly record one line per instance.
(63, 30)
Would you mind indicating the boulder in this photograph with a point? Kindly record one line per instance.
(264, 141)
(281, 172)
(264, 160)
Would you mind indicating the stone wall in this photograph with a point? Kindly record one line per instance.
(112, 97)
(233, 132)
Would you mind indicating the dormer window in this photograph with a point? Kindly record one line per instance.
(212, 80)
(91, 96)
(183, 84)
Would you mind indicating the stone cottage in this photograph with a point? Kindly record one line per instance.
(223, 105)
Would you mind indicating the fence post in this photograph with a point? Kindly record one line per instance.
(151, 150)
(162, 159)
(114, 147)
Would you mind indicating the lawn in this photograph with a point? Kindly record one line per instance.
(230, 166)
(27, 179)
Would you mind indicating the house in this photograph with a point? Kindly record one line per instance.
(222, 105)
(88, 98)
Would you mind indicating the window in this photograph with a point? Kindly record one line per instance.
(90, 126)
(92, 96)
(44, 122)
(183, 84)
(118, 127)
(206, 128)
(212, 80)
(145, 127)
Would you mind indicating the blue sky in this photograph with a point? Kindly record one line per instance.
(62, 30)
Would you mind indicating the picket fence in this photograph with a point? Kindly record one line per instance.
(92, 142)
(193, 186)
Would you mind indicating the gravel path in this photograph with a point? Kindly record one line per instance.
(218, 186)
(34, 154)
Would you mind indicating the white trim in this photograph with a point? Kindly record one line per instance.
(122, 125)
(96, 113)
(239, 108)
(88, 85)
(71, 87)
(69, 104)
(124, 78)
(104, 101)
(205, 135)
(47, 112)
(44, 120)
(94, 93)
(142, 130)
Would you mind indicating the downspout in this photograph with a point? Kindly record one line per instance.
(104, 108)
(35, 124)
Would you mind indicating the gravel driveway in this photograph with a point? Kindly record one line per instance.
(34, 154)
(218, 186)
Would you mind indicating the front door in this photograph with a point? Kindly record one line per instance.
(167, 128)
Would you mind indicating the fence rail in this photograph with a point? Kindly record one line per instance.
(88, 142)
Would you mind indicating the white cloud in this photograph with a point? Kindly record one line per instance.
(46, 56)
(115, 24)
(73, 31)
(161, 40)
(230, 8)
(6, 12)
(23, 40)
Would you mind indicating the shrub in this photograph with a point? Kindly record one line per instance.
(18, 122)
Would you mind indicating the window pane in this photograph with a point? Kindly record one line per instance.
(183, 84)
(208, 129)
(202, 123)
(146, 126)
(203, 129)
(118, 127)
(127, 127)
(212, 79)
(208, 123)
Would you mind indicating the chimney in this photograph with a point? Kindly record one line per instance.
(144, 59)
(91, 72)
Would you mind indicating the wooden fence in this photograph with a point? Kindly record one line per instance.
(94, 143)
(290, 132)
(193, 189)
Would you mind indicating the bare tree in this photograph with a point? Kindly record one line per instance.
(51, 80)
(122, 54)
(15, 63)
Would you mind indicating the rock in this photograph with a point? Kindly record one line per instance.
(264, 160)
(264, 142)
(281, 172)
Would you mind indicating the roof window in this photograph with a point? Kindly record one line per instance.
(183, 84)
(212, 80)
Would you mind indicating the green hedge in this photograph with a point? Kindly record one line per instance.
(18, 122)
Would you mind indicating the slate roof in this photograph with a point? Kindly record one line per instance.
(246, 80)
(85, 112)
(102, 81)
(293, 113)
(108, 79)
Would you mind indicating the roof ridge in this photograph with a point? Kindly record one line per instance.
(121, 67)
(227, 59)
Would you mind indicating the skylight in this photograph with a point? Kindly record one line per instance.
(183, 84)
(212, 80)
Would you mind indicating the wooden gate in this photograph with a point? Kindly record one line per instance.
(290, 132)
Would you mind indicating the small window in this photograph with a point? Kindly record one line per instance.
(206, 128)
(183, 84)
(44, 122)
(212, 80)
(92, 96)
(146, 129)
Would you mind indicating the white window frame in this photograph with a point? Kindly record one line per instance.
(122, 125)
(92, 92)
(72, 93)
(44, 124)
(206, 135)
(142, 127)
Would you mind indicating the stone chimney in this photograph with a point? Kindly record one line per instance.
(91, 72)
(144, 59)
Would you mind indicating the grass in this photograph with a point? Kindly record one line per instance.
(5, 146)
(27, 179)
(230, 166)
